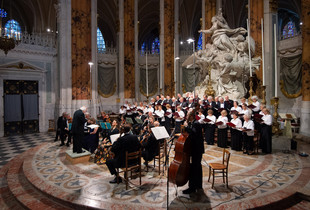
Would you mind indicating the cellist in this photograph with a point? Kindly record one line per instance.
(194, 129)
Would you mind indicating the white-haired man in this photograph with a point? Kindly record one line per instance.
(78, 129)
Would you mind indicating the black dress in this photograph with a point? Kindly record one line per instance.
(266, 138)
(236, 139)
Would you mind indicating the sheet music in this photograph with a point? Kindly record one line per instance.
(114, 137)
(160, 132)
(93, 126)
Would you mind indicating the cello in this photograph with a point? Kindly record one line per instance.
(180, 166)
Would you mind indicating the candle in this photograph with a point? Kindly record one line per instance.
(249, 47)
(275, 62)
(263, 53)
(147, 76)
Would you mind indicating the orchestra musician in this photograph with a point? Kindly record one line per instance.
(149, 146)
(222, 130)
(194, 129)
(129, 143)
(248, 135)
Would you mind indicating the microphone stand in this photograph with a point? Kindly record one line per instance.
(172, 137)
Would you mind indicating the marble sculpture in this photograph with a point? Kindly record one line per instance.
(228, 57)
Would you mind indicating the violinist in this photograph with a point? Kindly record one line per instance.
(127, 142)
(149, 145)
(194, 129)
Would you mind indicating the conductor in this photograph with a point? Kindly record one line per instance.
(78, 129)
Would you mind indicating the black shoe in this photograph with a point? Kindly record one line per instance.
(55, 139)
(189, 191)
(114, 181)
(67, 144)
(61, 144)
(81, 152)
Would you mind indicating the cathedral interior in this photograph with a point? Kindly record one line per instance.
(59, 55)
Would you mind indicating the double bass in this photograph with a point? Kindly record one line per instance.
(180, 166)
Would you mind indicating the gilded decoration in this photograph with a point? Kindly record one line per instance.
(286, 94)
(81, 49)
(169, 47)
(129, 48)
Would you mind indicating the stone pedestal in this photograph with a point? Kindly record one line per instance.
(75, 158)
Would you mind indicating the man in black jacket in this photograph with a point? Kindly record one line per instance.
(62, 125)
(78, 129)
(129, 143)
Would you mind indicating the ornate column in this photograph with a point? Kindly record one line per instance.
(169, 47)
(94, 68)
(129, 48)
(270, 17)
(81, 49)
(210, 11)
(63, 97)
(256, 14)
(305, 107)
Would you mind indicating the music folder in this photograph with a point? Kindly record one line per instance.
(197, 117)
(231, 124)
(160, 132)
(219, 123)
(251, 106)
(176, 115)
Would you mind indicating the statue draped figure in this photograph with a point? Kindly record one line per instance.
(228, 57)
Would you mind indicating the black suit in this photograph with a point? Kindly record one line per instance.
(129, 143)
(62, 125)
(197, 149)
(78, 130)
(229, 104)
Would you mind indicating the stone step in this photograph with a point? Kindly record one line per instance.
(24, 192)
(7, 199)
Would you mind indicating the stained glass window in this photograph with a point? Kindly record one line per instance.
(155, 46)
(100, 41)
(3, 13)
(143, 48)
(199, 44)
(12, 29)
(289, 30)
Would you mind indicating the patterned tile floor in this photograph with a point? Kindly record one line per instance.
(13, 145)
(256, 180)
